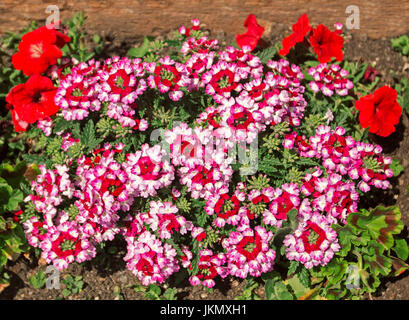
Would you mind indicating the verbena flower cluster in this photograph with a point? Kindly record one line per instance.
(179, 204)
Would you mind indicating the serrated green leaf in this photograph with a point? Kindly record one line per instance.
(266, 54)
(292, 267)
(88, 138)
(304, 276)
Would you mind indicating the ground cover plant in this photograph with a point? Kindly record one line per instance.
(210, 162)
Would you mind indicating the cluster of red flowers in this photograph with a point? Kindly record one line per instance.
(380, 111)
(325, 43)
(34, 100)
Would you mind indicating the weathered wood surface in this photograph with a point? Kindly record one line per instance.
(127, 18)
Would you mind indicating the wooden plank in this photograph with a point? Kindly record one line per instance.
(128, 18)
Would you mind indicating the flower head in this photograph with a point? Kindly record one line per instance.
(38, 50)
(379, 111)
(254, 32)
(33, 100)
(300, 30)
(326, 44)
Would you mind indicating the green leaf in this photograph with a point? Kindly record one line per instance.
(375, 260)
(66, 292)
(139, 288)
(292, 217)
(304, 277)
(13, 174)
(401, 249)
(396, 167)
(298, 288)
(292, 267)
(170, 294)
(140, 51)
(38, 280)
(281, 292)
(358, 76)
(269, 289)
(267, 54)
(311, 63)
(15, 198)
(381, 223)
(154, 290)
(88, 136)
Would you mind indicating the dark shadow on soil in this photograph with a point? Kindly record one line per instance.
(108, 262)
(16, 283)
(391, 143)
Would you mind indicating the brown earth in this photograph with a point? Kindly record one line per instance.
(102, 276)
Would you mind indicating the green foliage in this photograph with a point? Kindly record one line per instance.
(150, 50)
(12, 238)
(38, 280)
(401, 249)
(369, 249)
(88, 138)
(73, 285)
(401, 44)
(200, 215)
(402, 89)
(248, 291)
(298, 287)
(154, 292)
(267, 54)
(367, 245)
(396, 167)
(142, 50)
(275, 288)
(78, 47)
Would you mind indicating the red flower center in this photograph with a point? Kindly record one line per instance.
(313, 237)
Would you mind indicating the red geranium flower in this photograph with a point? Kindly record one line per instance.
(300, 30)
(33, 100)
(326, 44)
(252, 35)
(379, 111)
(38, 50)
